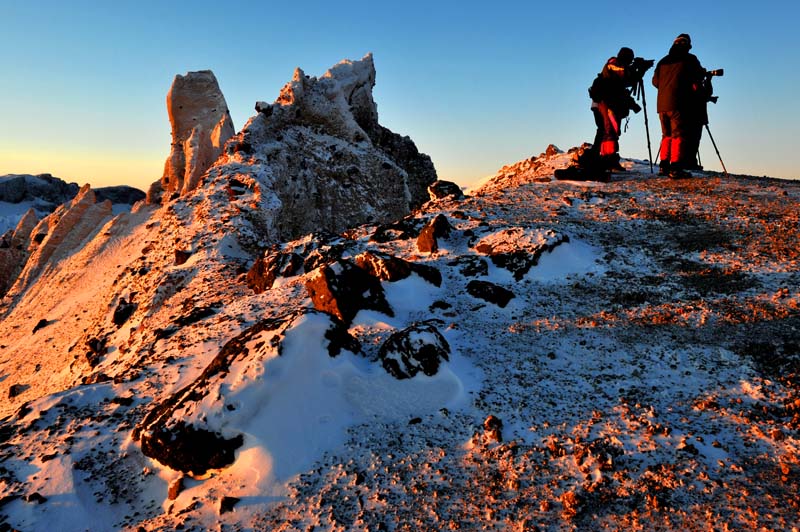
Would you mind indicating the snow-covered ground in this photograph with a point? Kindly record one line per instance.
(644, 372)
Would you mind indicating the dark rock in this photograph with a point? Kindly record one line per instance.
(16, 389)
(195, 315)
(324, 248)
(181, 256)
(227, 503)
(45, 187)
(388, 268)
(175, 488)
(471, 266)
(41, 324)
(442, 305)
(124, 401)
(383, 266)
(490, 292)
(35, 497)
(265, 270)
(419, 348)
(123, 312)
(442, 189)
(438, 227)
(427, 272)
(493, 428)
(97, 349)
(404, 229)
(426, 241)
(189, 449)
(342, 289)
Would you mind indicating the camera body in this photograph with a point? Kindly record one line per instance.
(640, 63)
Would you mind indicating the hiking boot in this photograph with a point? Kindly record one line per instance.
(677, 173)
(663, 168)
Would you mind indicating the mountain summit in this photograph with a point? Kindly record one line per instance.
(319, 335)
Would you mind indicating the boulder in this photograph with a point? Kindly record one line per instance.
(490, 292)
(388, 268)
(419, 348)
(343, 289)
(518, 249)
(438, 227)
(261, 276)
(443, 189)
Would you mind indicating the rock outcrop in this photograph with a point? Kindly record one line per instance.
(201, 123)
(317, 158)
(57, 235)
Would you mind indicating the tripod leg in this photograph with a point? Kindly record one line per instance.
(716, 150)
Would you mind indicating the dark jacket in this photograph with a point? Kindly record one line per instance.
(677, 78)
(611, 87)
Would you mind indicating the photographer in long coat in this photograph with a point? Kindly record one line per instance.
(678, 77)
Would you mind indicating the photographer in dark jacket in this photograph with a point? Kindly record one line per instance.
(678, 76)
(611, 103)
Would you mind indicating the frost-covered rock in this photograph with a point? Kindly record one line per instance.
(518, 249)
(201, 124)
(419, 348)
(444, 189)
(317, 158)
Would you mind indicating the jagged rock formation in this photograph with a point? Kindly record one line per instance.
(317, 159)
(201, 124)
(56, 236)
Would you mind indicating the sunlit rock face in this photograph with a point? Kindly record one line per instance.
(317, 158)
(201, 124)
(58, 235)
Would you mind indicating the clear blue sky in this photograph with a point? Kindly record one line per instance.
(477, 85)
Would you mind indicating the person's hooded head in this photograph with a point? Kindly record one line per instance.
(624, 56)
(681, 44)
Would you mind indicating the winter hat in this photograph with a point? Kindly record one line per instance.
(683, 38)
(625, 56)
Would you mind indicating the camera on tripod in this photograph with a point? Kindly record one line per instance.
(641, 65)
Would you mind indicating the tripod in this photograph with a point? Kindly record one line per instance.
(638, 90)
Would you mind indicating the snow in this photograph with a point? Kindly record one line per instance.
(11, 213)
